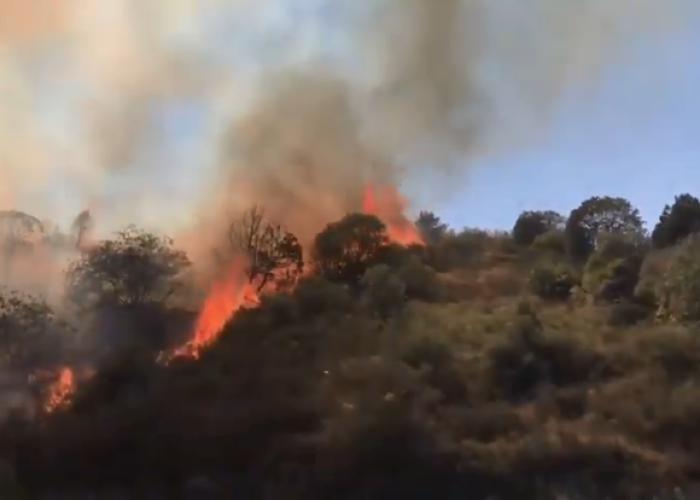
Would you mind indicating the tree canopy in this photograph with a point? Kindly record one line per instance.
(134, 267)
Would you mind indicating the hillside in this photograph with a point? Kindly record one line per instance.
(560, 358)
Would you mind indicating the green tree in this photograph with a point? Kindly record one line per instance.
(345, 249)
(681, 284)
(430, 226)
(598, 215)
(136, 267)
(531, 224)
(677, 221)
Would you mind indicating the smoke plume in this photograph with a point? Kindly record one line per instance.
(392, 91)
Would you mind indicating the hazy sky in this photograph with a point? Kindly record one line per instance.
(634, 134)
(637, 135)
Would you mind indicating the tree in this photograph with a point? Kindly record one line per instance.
(345, 249)
(598, 215)
(680, 288)
(677, 221)
(31, 335)
(135, 267)
(19, 232)
(430, 226)
(81, 227)
(274, 254)
(531, 224)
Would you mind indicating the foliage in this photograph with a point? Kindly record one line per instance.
(383, 291)
(31, 335)
(627, 313)
(551, 243)
(532, 224)
(677, 221)
(274, 254)
(612, 271)
(596, 216)
(681, 285)
(344, 250)
(552, 282)
(529, 360)
(390, 372)
(421, 281)
(430, 226)
(135, 267)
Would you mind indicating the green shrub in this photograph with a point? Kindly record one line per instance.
(552, 242)
(681, 282)
(421, 282)
(530, 359)
(383, 291)
(552, 282)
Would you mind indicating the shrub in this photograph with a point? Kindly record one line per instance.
(552, 242)
(681, 284)
(319, 296)
(421, 282)
(552, 282)
(500, 282)
(530, 359)
(612, 271)
(383, 291)
(627, 313)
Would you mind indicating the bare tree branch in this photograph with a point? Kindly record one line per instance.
(274, 254)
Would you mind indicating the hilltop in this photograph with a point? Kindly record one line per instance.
(561, 357)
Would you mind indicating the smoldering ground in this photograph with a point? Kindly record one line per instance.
(422, 88)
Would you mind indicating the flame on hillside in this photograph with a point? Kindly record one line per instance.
(388, 205)
(234, 290)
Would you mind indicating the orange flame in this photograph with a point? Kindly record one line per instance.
(389, 207)
(60, 389)
(225, 297)
(230, 293)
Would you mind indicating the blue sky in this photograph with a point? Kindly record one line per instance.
(636, 135)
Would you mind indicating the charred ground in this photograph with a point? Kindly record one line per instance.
(562, 356)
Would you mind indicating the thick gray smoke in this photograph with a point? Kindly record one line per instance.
(421, 88)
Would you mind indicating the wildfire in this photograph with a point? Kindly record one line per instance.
(60, 389)
(225, 297)
(389, 206)
(234, 290)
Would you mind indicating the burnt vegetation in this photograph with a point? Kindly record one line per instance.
(558, 359)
